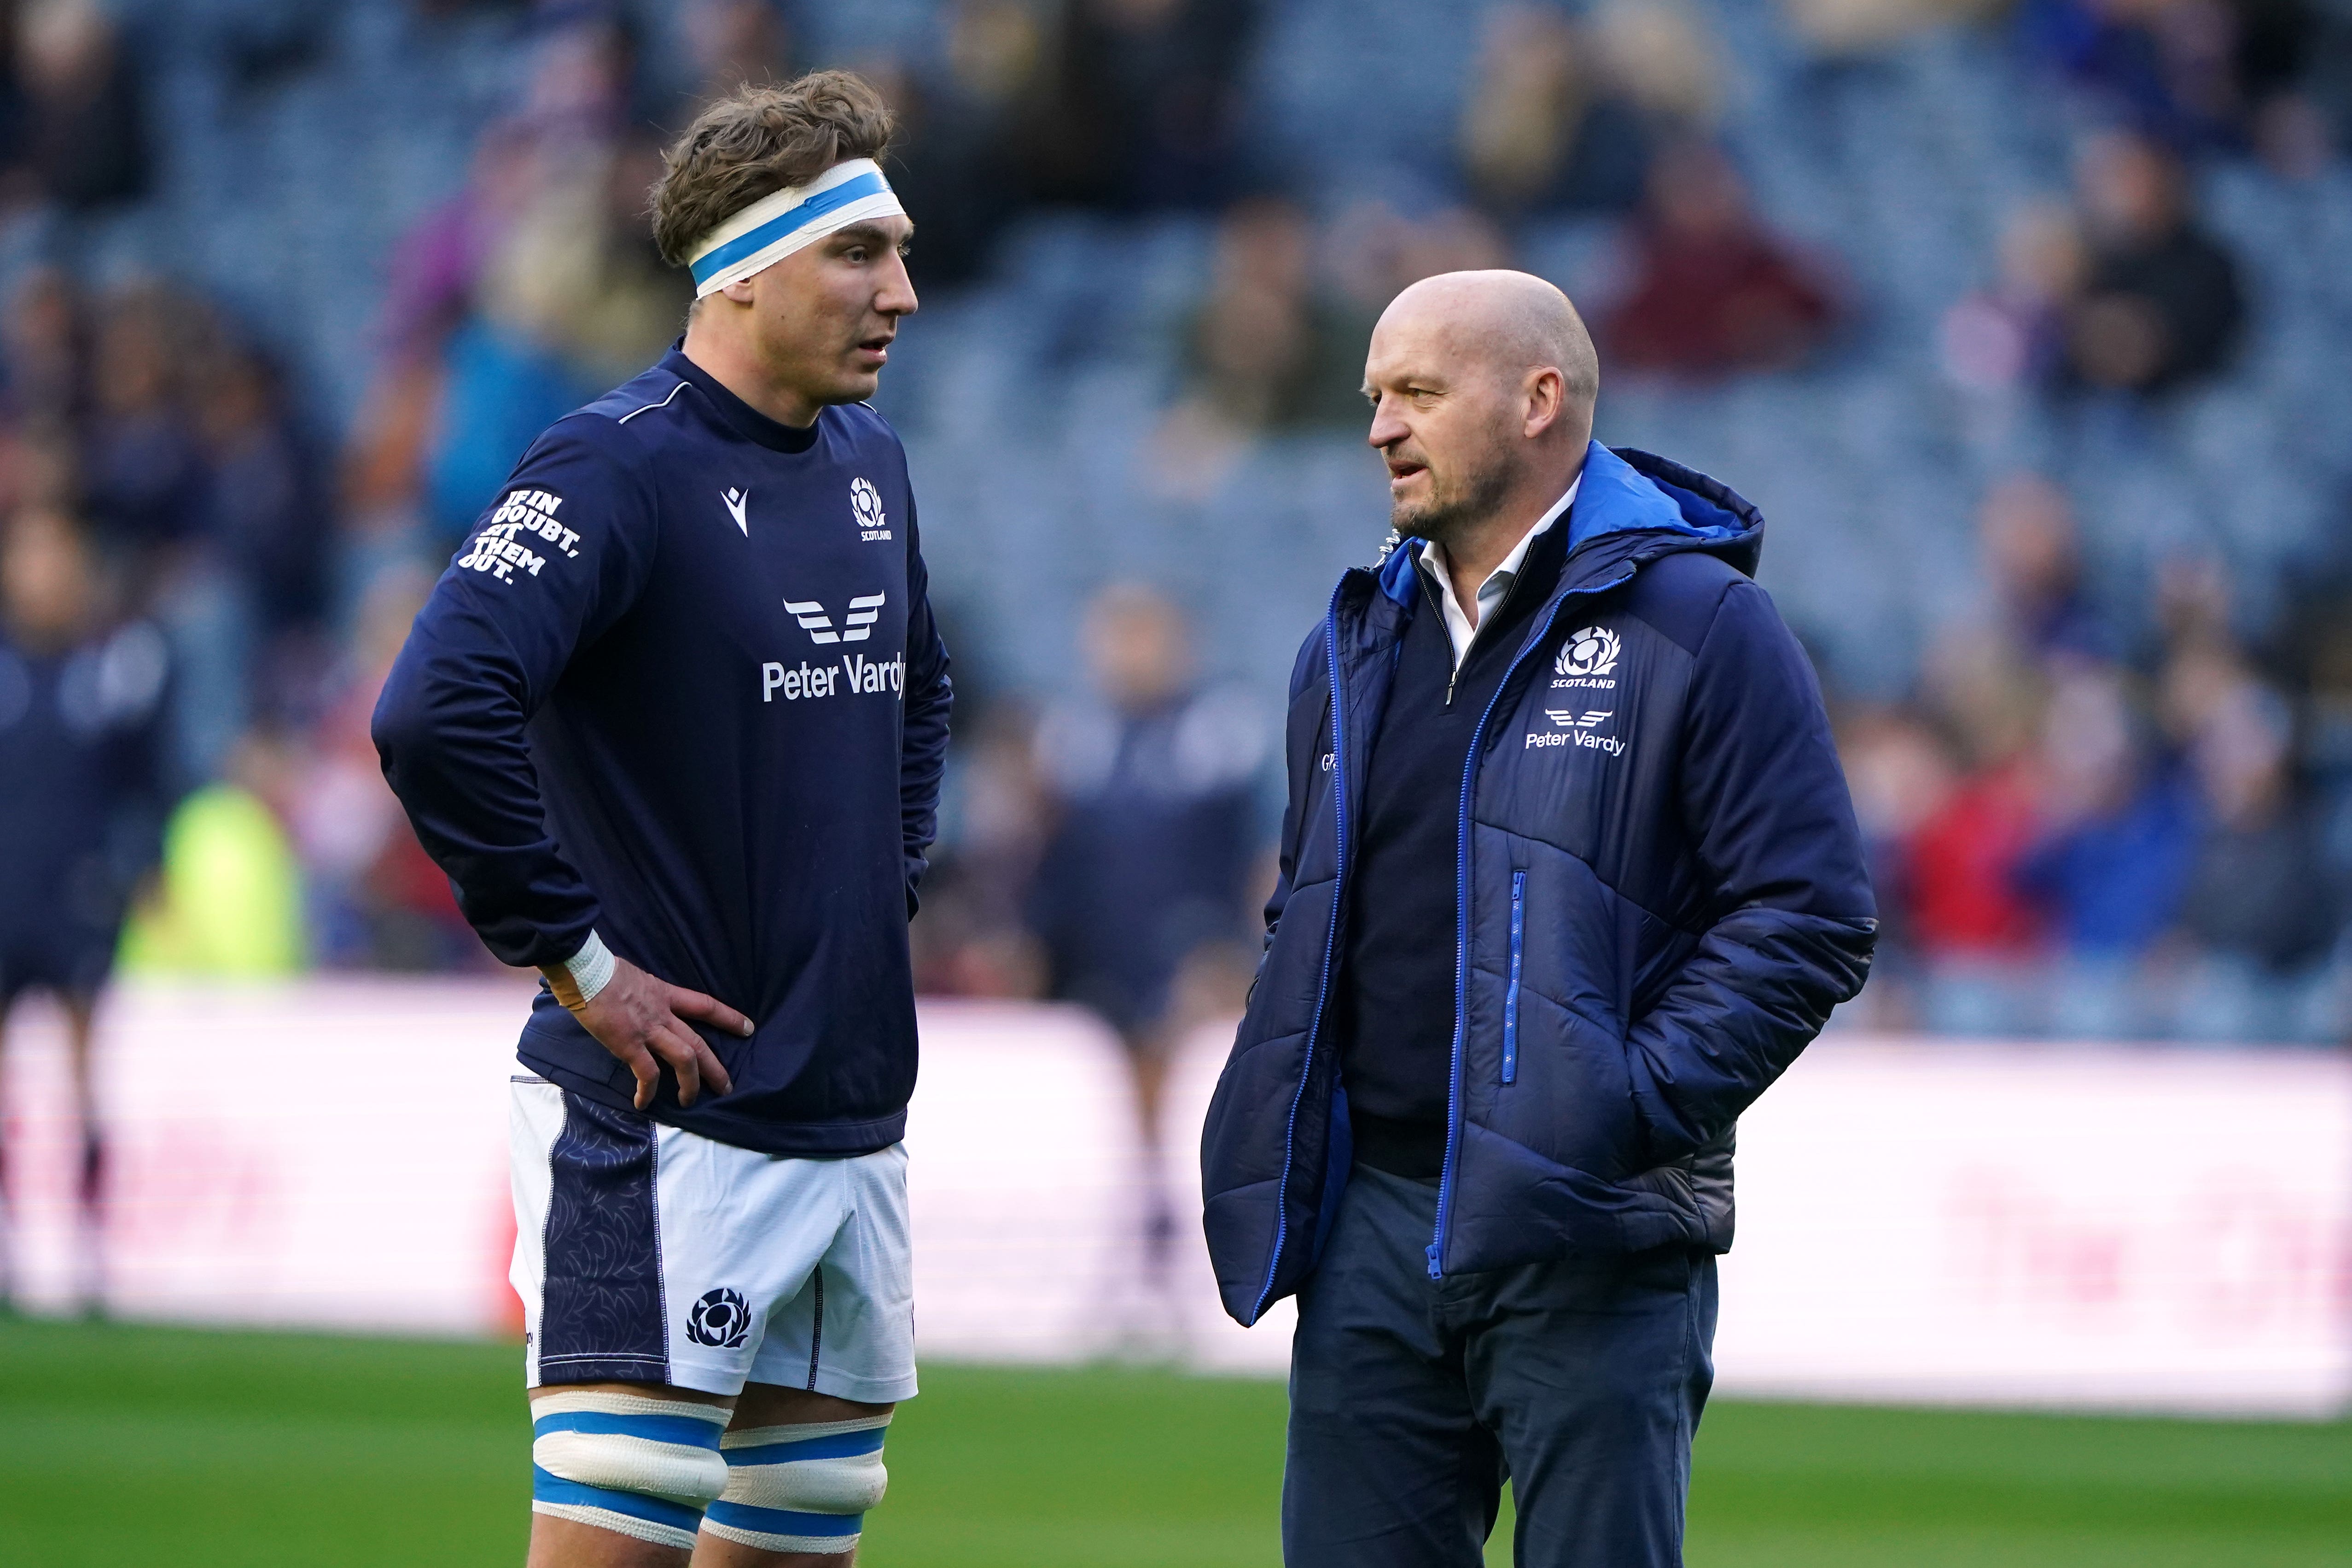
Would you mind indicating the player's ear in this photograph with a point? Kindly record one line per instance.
(1544, 393)
(739, 292)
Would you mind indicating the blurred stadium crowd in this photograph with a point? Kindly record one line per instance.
(2023, 322)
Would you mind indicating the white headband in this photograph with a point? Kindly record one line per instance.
(784, 221)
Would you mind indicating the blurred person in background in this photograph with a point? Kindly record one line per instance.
(1142, 889)
(570, 291)
(79, 138)
(566, 293)
(974, 938)
(2011, 336)
(265, 516)
(1970, 924)
(736, 42)
(143, 479)
(2031, 554)
(1136, 104)
(1714, 291)
(2258, 895)
(1903, 773)
(377, 900)
(2200, 75)
(2119, 825)
(1267, 347)
(1544, 128)
(170, 456)
(1843, 28)
(961, 114)
(434, 268)
(228, 903)
(2161, 306)
(83, 792)
(43, 360)
(2160, 65)
(574, 271)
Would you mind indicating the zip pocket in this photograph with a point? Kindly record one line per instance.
(1511, 998)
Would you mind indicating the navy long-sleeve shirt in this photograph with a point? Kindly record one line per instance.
(682, 687)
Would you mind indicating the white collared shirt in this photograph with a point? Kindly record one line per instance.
(1498, 581)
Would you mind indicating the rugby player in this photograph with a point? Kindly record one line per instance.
(672, 722)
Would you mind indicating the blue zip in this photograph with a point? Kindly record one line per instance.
(1330, 944)
(1511, 998)
(1462, 916)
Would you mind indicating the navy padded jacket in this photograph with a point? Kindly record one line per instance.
(1661, 889)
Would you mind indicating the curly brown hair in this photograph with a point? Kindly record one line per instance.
(758, 140)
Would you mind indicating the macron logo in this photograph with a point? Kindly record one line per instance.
(855, 626)
(736, 501)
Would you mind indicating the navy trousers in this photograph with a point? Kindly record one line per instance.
(1412, 1399)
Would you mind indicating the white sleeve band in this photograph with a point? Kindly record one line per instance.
(591, 967)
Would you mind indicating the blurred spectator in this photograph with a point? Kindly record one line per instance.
(1544, 128)
(584, 86)
(2162, 65)
(82, 795)
(142, 472)
(42, 356)
(376, 900)
(1859, 27)
(1902, 773)
(1714, 292)
(436, 268)
(1141, 892)
(228, 903)
(79, 138)
(974, 939)
(1270, 349)
(2119, 829)
(436, 263)
(2161, 306)
(265, 516)
(1138, 103)
(2014, 334)
(2194, 74)
(735, 42)
(950, 161)
(2025, 532)
(1663, 58)
(1378, 252)
(1962, 871)
(572, 299)
(2256, 894)
(576, 272)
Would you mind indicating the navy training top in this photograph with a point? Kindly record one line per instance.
(682, 687)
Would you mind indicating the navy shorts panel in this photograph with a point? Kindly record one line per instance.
(602, 1318)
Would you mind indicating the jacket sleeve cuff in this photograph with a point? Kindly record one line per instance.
(578, 979)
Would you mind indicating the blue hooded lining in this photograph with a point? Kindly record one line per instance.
(1631, 492)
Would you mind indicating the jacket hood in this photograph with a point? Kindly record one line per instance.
(1642, 505)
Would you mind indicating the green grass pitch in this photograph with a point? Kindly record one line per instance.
(125, 1445)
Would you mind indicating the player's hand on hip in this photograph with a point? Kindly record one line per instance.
(640, 1019)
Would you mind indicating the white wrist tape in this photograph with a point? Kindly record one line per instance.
(591, 968)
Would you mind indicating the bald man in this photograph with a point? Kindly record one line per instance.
(1569, 875)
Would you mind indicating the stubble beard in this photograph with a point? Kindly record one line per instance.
(1456, 506)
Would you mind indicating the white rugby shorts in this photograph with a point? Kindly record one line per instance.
(647, 1254)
